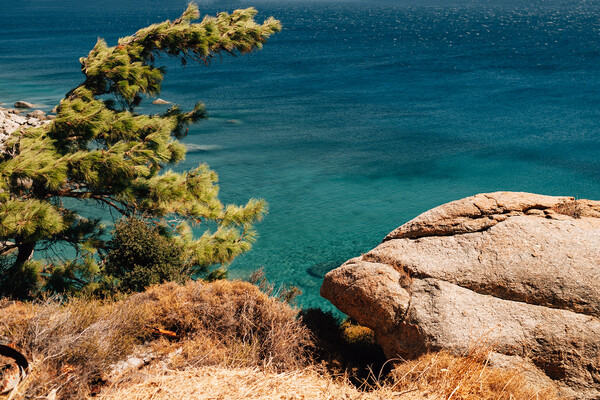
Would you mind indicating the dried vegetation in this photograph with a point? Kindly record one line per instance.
(227, 340)
(246, 383)
(74, 347)
(467, 377)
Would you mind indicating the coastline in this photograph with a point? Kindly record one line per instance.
(15, 119)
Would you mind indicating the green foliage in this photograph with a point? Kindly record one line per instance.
(139, 256)
(101, 151)
(357, 335)
(24, 281)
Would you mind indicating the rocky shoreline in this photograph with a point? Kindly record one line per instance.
(20, 117)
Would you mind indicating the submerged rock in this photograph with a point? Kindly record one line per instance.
(160, 101)
(23, 104)
(517, 270)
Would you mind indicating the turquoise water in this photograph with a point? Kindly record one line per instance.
(358, 116)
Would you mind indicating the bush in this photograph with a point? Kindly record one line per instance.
(572, 208)
(78, 345)
(357, 335)
(23, 282)
(139, 256)
(250, 327)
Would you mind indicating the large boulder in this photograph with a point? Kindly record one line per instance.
(518, 271)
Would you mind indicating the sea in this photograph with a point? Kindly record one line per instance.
(357, 116)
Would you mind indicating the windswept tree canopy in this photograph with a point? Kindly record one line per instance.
(98, 149)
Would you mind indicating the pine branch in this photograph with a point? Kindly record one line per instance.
(103, 151)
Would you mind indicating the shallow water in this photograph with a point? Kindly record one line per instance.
(358, 116)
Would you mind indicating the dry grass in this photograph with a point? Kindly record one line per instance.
(438, 376)
(221, 340)
(466, 378)
(70, 345)
(245, 383)
(74, 346)
(572, 208)
(252, 328)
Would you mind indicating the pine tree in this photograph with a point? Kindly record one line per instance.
(99, 150)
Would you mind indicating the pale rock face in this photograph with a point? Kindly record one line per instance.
(18, 119)
(370, 287)
(11, 121)
(518, 270)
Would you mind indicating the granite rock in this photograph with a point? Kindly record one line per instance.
(518, 270)
(12, 121)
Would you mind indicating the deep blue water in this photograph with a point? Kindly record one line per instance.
(358, 116)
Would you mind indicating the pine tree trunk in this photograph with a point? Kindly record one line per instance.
(16, 282)
(25, 253)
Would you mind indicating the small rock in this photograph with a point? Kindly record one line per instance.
(23, 104)
(535, 211)
(10, 126)
(19, 119)
(39, 114)
(160, 101)
(14, 111)
(135, 361)
(50, 117)
(54, 110)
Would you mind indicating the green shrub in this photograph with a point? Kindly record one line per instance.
(23, 282)
(357, 335)
(139, 256)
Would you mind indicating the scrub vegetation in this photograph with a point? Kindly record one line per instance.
(227, 339)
